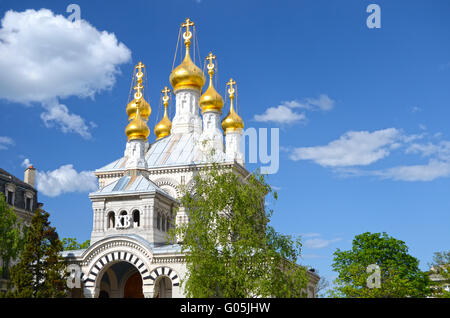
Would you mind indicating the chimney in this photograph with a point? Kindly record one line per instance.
(30, 176)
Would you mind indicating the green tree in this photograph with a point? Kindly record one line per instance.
(440, 274)
(70, 243)
(11, 237)
(41, 272)
(400, 275)
(231, 251)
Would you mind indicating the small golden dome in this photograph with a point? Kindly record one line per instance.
(187, 75)
(163, 128)
(232, 122)
(137, 128)
(144, 108)
(211, 100)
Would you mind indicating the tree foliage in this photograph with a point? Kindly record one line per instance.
(11, 237)
(400, 275)
(41, 270)
(70, 244)
(231, 250)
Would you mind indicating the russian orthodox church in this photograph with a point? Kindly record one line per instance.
(136, 203)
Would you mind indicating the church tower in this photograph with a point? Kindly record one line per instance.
(211, 104)
(137, 131)
(187, 80)
(233, 126)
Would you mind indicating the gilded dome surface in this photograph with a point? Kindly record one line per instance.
(164, 127)
(211, 100)
(143, 106)
(137, 128)
(232, 122)
(187, 75)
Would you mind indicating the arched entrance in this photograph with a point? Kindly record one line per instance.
(120, 280)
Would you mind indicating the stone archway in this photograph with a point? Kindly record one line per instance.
(98, 275)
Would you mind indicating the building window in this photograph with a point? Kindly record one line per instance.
(111, 220)
(163, 223)
(10, 197)
(136, 218)
(28, 204)
(28, 197)
(122, 220)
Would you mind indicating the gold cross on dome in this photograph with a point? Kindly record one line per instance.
(187, 24)
(231, 89)
(210, 58)
(138, 88)
(165, 91)
(140, 66)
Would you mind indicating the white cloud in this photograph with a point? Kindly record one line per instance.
(65, 179)
(59, 114)
(280, 114)
(316, 243)
(44, 57)
(354, 148)
(5, 142)
(431, 171)
(285, 113)
(440, 150)
(26, 163)
(323, 103)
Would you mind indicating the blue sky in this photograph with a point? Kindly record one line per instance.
(363, 113)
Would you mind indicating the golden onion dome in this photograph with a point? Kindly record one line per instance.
(211, 100)
(144, 108)
(232, 122)
(187, 75)
(163, 128)
(137, 128)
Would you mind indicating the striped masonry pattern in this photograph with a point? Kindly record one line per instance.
(89, 281)
(164, 271)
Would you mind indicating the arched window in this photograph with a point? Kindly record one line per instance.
(136, 218)
(122, 221)
(111, 220)
(163, 223)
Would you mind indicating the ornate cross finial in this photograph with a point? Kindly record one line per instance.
(140, 66)
(138, 94)
(231, 89)
(210, 65)
(165, 91)
(139, 74)
(210, 58)
(187, 35)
